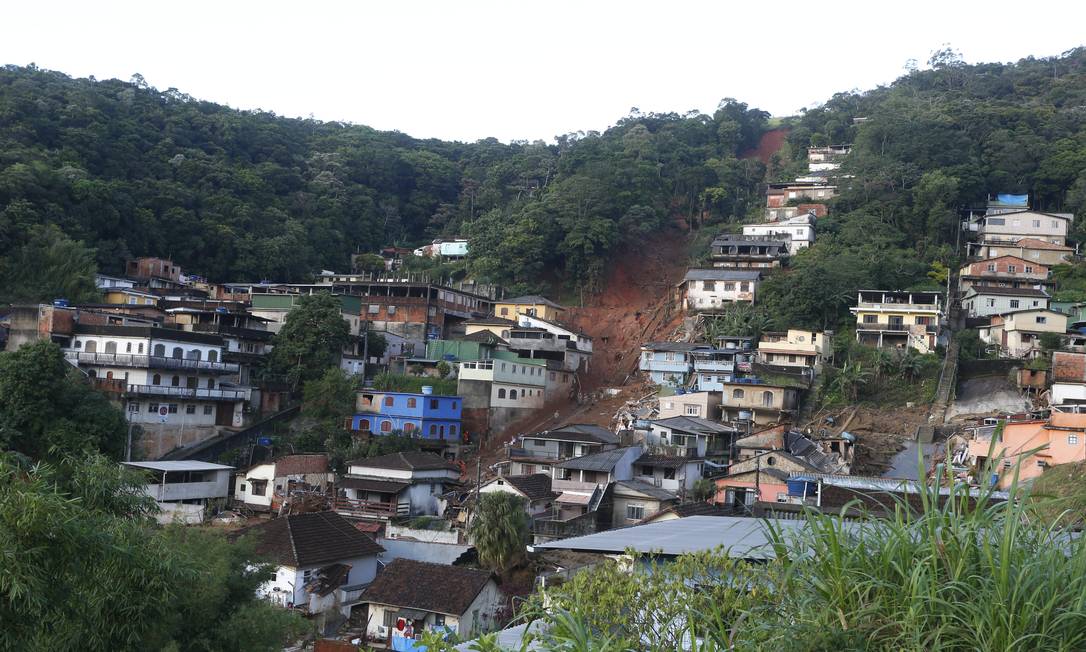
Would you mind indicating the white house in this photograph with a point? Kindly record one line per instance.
(183, 489)
(1012, 226)
(256, 486)
(715, 288)
(798, 231)
(407, 484)
(535, 489)
(577, 350)
(409, 597)
(323, 561)
(987, 300)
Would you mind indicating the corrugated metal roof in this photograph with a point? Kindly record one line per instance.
(604, 461)
(659, 493)
(721, 274)
(180, 465)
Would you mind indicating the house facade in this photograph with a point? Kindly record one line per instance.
(793, 348)
(263, 486)
(732, 251)
(323, 561)
(798, 231)
(702, 405)
(1018, 333)
(398, 484)
(1031, 249)
(409, 597)
(758, 402)
(539, 452)
(988, 300)
(424, 415)
(1026, 449)
(707, 290)
(535, 489)
(183, 489)
(1003, 271)
(633, 501)
(533, 305)
(899, 319)
(1000, 227)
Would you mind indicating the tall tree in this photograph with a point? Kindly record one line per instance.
(499, 530)
(311, 340)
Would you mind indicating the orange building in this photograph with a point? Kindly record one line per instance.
(1032, 446)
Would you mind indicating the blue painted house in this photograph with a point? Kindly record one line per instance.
(424, 415)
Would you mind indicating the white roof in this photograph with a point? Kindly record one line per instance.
(744, 538)
(179, 465)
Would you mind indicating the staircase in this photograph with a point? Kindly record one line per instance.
(948, 375)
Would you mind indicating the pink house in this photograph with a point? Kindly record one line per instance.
(1060, 440)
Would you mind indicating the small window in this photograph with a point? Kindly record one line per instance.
(172, 409)
(133, 407)
(513, 394)
(386, 426)
(241, 488)
(433, 429)
(434, 404)
(504, 312)
(693, 410)
(1014, 303)
(737, 393)
(156, 379)
(392, 310)
(1006, 464)
(409, 427)
(708, 286)
(501, 392)
(208, 410)
(991, 267)
(152, 407)
(190, 409)
(389, 401)
(1029, 269)
(1036, 224)
(1072, 440)
(539, 442)
(411, 402)
(871, 319)
(373, 309)
(1012, 269)
(729, 287)
(1041, 320)
(635, 512)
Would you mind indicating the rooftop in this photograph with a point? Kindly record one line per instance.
(435, 588)
(536, 486)
(695, 425)
(603, 461)
(406, 461)
(644, 488)
(721, 274)
(310, 539)
(180, 465)
(744, 538)
(531, 300)
(580, 432)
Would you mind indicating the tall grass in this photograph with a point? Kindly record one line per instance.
(959, 573)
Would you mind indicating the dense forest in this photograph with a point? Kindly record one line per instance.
(93, 171)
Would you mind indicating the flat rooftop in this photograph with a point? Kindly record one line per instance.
(180, 465)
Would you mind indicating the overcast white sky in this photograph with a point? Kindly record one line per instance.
(465, 70)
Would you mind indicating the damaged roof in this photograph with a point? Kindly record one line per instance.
(434, 588)
(604, 461)
(406, 461)
(578, 432)
(536, 486)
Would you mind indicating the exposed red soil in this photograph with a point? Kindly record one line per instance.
(769, 145)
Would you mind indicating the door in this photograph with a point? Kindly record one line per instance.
(224, 414)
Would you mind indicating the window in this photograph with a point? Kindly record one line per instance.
(434, 404)
(111, 347)
(513, 394)
(501, 393)
(392, 310)
(1006, 464)
(1055, 224)
(208, 410)
(1014, 303)
(990, 303)
(128, 347)
(552, 374)
(771, 461)
(1036, 224)
(505, 311)
(439, 620)
(389, 401)
(156, 379)
(708, 286)
(1029, 269)
(409, 427)
(260, 488)
(178, 353)
(133, 407)
(152, 407)
(646, 471)
(539, 442)
(241, 488)
(452, 430)
(1072, 440)
(1011, 269)
(441, 431)
(373, 309)
(996, 221)
(737, 393)
(635, 512)
(669, 474)
(1041, 320)
(729, 287)
(160, 350)
(175, 381)
(871, 319)
(991, 267)
(527, 469)
(433, 430)
(693, 410)
(172, 409)
(791, 358)
(744, 286)
(386, 426)
(190, 409)
(411, 402)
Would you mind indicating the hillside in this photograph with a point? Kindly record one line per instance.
(93, 171)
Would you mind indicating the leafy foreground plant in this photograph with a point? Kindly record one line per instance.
(956, 573)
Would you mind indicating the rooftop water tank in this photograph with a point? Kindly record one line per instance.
(427, 389)
(60, 303)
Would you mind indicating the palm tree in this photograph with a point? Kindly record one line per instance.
(850, 378)
(882, 361)
(499, 530)
(910, 364)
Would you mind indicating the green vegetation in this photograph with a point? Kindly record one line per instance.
(311, 339)
(49, 410)
(957, 575)
(389, 382)
(85, 567)
(881, 377)
(499, 530)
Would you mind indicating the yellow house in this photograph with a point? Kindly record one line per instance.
(794, 348)
(131, 297)
(531, 304)
(898, 319)
(496, 325)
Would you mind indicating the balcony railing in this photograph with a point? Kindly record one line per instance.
(539, 454)
(197, 393)
(896, 328)
(371, 508)
(149, 361)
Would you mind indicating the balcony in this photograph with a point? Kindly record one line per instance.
(714, 365)
(668, 366)
(896, 328)
(198, 393)
(149, 361)
(538, 454)
(370, 508)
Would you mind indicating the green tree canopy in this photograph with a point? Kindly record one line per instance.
(499, 530)
(311, 339)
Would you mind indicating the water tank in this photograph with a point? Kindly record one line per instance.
(60, 303)
(427, 389)
(222, 311)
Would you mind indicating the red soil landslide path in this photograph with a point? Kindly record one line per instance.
(768, 145)
(634, 308)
